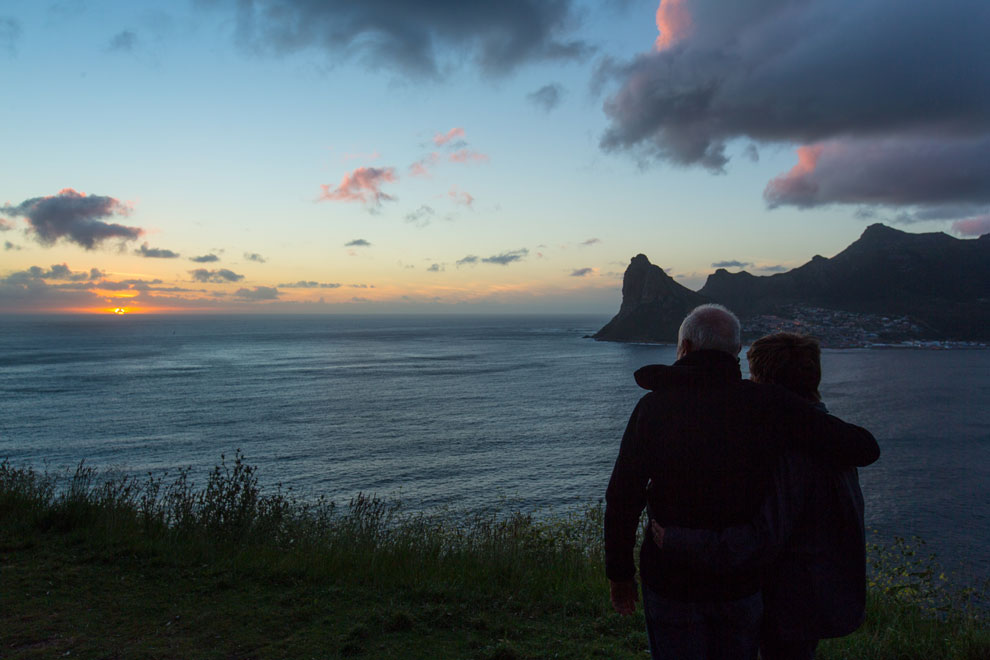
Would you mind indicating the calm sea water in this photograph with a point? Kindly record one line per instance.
(451, 411)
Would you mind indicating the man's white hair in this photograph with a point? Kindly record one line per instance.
(711, 327)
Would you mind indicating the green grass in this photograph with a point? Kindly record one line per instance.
(103, 566)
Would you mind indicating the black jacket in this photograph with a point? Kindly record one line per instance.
(810, 536)
(699, 450)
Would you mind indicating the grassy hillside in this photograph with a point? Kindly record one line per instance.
(97, 566)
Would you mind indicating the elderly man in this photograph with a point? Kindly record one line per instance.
(699, 450)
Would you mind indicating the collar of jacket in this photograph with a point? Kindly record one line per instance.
(696, 369)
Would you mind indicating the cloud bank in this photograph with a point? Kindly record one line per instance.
(880, 94)
(74, 216)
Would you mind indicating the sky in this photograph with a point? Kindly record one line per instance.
(440, 156)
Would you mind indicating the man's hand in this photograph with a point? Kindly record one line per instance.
(624, 596)
(656, 531)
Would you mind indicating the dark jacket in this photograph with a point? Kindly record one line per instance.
(699, 450)
(810, 536)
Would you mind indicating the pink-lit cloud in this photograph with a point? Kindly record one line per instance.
(423, 166)
(925, 172)
(362, 185)
(460, 197)
(467, 156)
(6, 225)
(874, 82)
(977, 226)
(673, 23)
(456, 133)
(74, 216)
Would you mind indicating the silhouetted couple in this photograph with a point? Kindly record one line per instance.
(756, 536)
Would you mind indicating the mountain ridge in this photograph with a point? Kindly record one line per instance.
(939, 283)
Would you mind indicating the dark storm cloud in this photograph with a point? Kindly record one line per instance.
(903, 79)
(10, 34)
(155, 253)
(506, 258)
(582, 272)
(894, 172)
(205, 259)
(357, 242)
(546, 97)
(123, 41)
(216, 276)
(420, 39)
(303, 284)
(257, 293)
(733, 263)
(254, 256)
(74, 216)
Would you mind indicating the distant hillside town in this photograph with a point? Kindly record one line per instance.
(841, 329)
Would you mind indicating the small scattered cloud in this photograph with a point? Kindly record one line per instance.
(469, 260)
(7, 245)
(582, 272)
(732, 263)
(10, 34)
(257, 293)
(75, 217)
(310, 284)
(460, 197)
(435, 268)
(5, 224)
(546, 97)
(776, 268)
(254, 256)
(506, 258)
(216, 276)
(422, 167)
(124, 41)
(362, 185)
(205, 259)
(454, 135)
(421, 216)
(357, 242)
(591, 241)
(155, 253)
(972, 226)
(467, 156)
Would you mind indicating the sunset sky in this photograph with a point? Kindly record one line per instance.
(439, 156)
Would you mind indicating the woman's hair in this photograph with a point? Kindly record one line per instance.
(787, 359)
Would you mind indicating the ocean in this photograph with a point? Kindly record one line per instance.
(465, 412)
